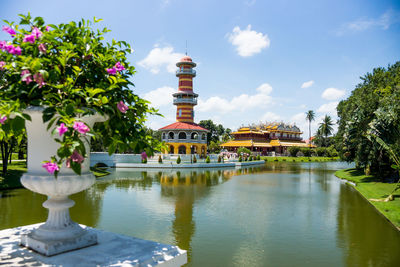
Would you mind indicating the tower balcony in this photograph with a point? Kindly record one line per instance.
(192, 101)
(186, 71)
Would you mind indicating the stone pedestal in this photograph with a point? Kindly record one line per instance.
(112, 250)
(59, 233)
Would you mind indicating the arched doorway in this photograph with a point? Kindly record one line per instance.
(193, 149)
(182, 150)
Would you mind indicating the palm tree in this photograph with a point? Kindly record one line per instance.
(310, 116)
(325, 127)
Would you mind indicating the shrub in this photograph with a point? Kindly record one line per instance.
(208, 159)
(250, 158)
(299, 154)
(283, 159)
(144, 160)
(276, 159)
(240, 159)
(321, 151)
(258, 157)
(159, 159)
(245, 158)
(293, 150)
(194, 159)
(306, 151)
(243, 150)
(219, 159)
(331, 152)
(178, 160)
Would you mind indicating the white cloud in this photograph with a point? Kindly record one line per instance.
(333, 93)
(329, 108)
(270, 117)
(248, 42)
(387, 19)
(265, 88)
(242, 102)
(160, 97)
(307, 84)
(159, 58)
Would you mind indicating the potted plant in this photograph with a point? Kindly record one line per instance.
(65, 85)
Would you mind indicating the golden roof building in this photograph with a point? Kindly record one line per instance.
(267, 138)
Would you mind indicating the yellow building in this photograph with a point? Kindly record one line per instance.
(184, 136)
(266, 138)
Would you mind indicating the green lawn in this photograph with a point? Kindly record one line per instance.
(16, 169)
(370, 187)
(299, 159)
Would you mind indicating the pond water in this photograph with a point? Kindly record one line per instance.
(279, 214)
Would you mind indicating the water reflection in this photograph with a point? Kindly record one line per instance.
(280, 214)
(366, 237)
(186, 187)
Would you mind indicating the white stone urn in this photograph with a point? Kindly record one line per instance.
(59, 233)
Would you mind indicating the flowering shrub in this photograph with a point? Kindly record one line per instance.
(70, 71)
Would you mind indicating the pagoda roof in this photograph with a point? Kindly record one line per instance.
(184, 126)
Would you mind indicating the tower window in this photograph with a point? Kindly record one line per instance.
(180, 112)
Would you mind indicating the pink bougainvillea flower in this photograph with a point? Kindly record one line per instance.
(16, 50)
(118, 66)
(144, 155)
(2, 63)
(112, 71)
(36, 32)
(26, 76)
(3, 45)
(39, 79)
(47, 28)
(10, 30)
(9, 48)
(81, 127)
(42, 48)
(62, 129)
(3, 119)
(122, 107)
(51, 167)
(29, 38)
(76, 157)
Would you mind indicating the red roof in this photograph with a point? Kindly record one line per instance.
(183, 126)
(186, 59)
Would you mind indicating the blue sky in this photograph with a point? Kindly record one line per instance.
(257, 60)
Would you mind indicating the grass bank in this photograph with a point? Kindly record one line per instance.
(16, 169)
(371, 188)
(300, 159)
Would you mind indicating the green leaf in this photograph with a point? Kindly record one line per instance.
(18, 124)
(76, 167)
(70, 109)
(396, 167)
(104, 100)
(48, 113)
